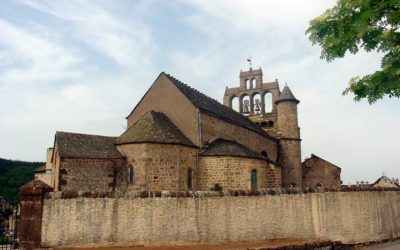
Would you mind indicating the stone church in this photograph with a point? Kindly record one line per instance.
(179, 139)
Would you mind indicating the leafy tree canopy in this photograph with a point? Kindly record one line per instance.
(363, 24)
(13, 174)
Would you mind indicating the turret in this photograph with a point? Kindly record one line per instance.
(290, 142)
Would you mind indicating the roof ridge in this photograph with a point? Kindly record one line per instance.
(86, 146)
(216, 108)
(188, 86)
(76, 133)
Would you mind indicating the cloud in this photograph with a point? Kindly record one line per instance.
(125, 41)
(69, 76)
(34, 58)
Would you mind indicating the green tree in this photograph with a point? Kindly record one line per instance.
(13, 174)
(352, 25)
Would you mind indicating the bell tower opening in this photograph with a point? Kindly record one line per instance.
(256, 98)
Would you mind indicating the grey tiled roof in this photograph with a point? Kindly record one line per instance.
(86, 146)
(223, 147)
(286, 95)
(211, 106)
(154, 127)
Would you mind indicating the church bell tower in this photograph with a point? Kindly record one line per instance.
(252, 98)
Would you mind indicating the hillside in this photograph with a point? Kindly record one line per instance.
(14, 174)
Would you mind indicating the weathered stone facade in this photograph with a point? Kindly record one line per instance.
(159, 167)
(212, 128)
(234, 173)
(318, 172)
(97, 175)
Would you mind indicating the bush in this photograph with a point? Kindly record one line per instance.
(4, 240)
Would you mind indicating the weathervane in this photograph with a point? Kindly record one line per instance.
(249, 60)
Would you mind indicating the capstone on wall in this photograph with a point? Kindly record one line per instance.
(212, 128)
(234, 173)
(158, 167)
(350, 217)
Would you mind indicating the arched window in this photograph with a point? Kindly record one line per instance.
(235, 104)
(257, 103)
(131, 174)
(189, 179)
(254, 179)
(247, 84)
(246, 105)
(268, 102)
(253, 83)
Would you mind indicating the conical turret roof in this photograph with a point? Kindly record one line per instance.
(154, 127)
(286, 95)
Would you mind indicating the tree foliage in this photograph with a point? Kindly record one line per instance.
(352, 25)
(13, 174)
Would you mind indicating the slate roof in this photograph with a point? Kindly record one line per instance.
(209, 105)
(154, 127)
(286, 95)
(86, 146)
(224, 147)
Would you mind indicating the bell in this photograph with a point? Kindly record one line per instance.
(245, 110)
(257, 108)
(246, 107)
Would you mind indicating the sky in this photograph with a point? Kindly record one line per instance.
(81, 66)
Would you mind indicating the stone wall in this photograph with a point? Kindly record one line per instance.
(235, 173)
(318, 171)
(212, 128)
(89, 174)
(159, 167)
(350, 217)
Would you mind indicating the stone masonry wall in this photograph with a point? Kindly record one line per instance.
(350, 217)
(287, 119)
(158, 167)
(212, 128)
(89, 174)
(235, 173)
(290, 160)
(319, 171)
